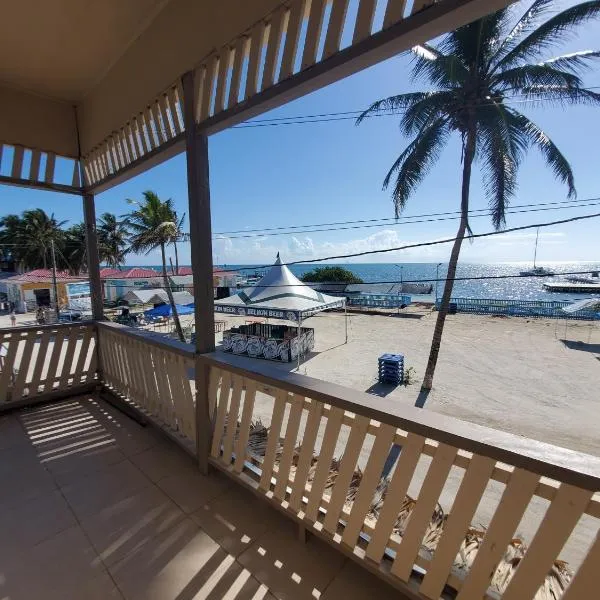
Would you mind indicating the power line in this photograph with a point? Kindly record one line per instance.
(440, 214)
(422, 244)
(486, 214)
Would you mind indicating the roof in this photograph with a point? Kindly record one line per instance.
(45, 276)
(107, 272)
(279, 294)
(133, 273)
(184, 271)
(156, 296)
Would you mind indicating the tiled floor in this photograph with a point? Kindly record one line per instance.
(94, 506)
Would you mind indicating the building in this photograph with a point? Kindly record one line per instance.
(28, 291)
(117, 283)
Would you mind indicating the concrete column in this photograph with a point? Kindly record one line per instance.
(202, 267)
(93, 260)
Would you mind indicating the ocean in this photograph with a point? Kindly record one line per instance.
(521, 288)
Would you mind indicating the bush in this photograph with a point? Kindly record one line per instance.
(331, 274)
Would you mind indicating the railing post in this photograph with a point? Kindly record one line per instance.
(196, 144)
(93, 260)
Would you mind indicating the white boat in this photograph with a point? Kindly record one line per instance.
(537, 271)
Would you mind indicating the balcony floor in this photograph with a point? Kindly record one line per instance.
(96, 506)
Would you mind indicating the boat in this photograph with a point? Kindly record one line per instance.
(537, 271)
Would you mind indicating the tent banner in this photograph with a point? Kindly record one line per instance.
(247, 311)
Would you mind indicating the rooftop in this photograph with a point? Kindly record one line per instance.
(102, 507)
(45, 276)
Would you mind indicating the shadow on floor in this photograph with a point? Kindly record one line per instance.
(422, 398)
(583, 346)
(381, 389)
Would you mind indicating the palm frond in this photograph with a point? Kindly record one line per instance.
(530, 75)
(393, 103)
(415, 162)
(556, 30)
(552, 155)
(561, 95)
(443, 70)
(530, 19)
(433, 106)
(574, 61)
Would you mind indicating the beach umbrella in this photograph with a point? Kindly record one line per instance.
(164, 310)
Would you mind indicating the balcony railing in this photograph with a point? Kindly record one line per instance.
(323, 457)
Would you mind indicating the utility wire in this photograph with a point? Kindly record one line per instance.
(486, 214)
(440, 214)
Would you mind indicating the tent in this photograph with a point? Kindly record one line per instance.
(156, 296)
(280, 295)
(164, 310)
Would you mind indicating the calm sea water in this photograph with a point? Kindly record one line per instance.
(521, 288)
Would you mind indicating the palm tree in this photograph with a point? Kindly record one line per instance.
(113, 237)
(154, 225)
(31, 236)
(176, 238)
(74, 251)
(474, 72)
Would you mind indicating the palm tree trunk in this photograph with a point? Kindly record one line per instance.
(170, 295)
(449, 285)
(176, 259)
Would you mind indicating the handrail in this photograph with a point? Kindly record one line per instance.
(150, 337)
(24, 328)
(569, 466)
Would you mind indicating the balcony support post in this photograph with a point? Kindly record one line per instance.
(93, 260)
(196, 149)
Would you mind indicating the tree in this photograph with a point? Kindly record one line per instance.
(113, 237)
(154, 225)
(331, 274)
(74, 251)
(474, 72)
(176, 237)
(30, 237)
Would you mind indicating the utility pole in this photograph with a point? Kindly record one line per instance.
(54, 285)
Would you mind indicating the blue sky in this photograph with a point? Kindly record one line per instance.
(325, 172)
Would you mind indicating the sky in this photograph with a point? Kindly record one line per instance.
(307, 174)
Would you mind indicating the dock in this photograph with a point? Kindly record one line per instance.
(573, 288)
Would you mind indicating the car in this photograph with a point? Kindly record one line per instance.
(69, 314)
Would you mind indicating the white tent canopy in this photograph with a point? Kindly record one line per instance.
(156, 296)
(279, 295)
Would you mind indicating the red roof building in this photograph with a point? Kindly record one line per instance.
(132, 273)
(45, 276)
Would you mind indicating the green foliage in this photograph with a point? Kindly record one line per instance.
(113, 238)
(331, 274)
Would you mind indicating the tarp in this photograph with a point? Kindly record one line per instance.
(278, 295)
(592, 304)
(164, 310)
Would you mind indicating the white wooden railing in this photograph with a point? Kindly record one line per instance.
(41, 362)
(447, 516)
(155, 374)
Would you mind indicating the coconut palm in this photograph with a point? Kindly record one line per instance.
(176, 238)
(154, 225)
(73, 254)
(473, 74)
(31, 236)
(113, 238)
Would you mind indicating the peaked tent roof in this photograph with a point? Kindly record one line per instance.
(280, 295)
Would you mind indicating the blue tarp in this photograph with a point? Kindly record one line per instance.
(164, 310)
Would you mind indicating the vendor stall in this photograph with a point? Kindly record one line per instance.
(278, 295)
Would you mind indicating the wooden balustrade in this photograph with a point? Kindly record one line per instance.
(153, 373)
(318, 451)
(37, 363)
(321, 460)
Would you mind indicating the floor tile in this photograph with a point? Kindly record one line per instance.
(11, 432)
(354, 582)
(131, 523)
(29, 523)
(237, 519)
(63, 567)
(175, 565)
(164, 460)
(21, 481)
(104, 488)
(289, 568)
(191, 490)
